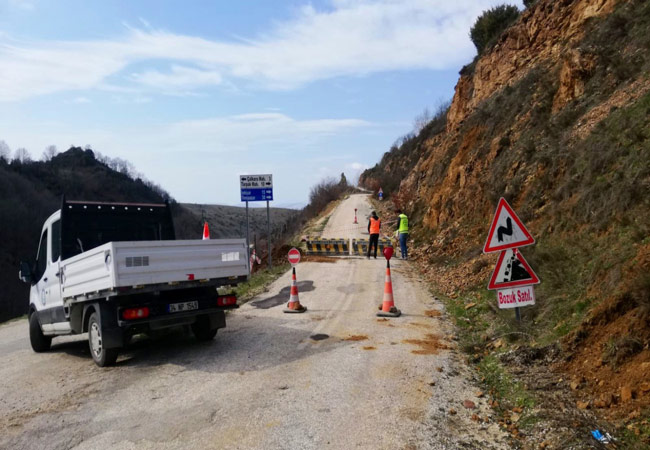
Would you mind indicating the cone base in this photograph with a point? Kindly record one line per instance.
(301, 309)
(397, 313)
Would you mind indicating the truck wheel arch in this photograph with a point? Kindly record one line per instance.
(87, 312)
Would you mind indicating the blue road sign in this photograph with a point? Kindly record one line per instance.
(256, 195)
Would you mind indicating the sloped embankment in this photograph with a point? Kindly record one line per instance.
(555, 119)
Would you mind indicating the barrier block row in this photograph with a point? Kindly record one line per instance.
(360, 246)
(342, 246)
(328, 247)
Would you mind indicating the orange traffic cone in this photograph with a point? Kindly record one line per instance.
(294, 305)
(387, 308)
(206, 231)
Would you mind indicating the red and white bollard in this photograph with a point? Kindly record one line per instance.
(355, 215)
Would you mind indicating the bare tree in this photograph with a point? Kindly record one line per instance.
(421, 120)
(5, 151)
(49, 153)
(22, 155)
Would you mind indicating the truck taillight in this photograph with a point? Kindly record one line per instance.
(135, 313)
(227, 300)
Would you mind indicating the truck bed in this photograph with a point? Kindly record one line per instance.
(118, 265)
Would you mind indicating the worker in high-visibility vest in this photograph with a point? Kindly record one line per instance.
(403, 232)
(374, 225)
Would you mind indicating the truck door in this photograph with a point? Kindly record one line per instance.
(53, 282)
(38, 291)
(48, 287)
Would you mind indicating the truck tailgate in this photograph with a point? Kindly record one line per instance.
(127, 264)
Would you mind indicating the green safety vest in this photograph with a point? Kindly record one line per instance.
(403, 224)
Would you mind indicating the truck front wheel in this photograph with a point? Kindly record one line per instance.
(102, 356)
(202, 329)
(40, 342)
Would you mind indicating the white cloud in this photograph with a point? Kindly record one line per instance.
(178, 77)
(254, 132)
(81, 100)
(351, 38)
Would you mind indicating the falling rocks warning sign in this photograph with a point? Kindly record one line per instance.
(512, 270)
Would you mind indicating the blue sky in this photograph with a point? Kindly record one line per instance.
(196, 93)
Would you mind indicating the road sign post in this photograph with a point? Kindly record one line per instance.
(513, 278)
(258, 188)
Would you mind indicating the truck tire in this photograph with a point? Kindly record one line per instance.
(102, 356)
(40, 342)
(201, 329)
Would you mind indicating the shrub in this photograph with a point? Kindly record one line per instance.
(324, 192)
(489, 26)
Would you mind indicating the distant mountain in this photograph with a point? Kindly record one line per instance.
(230, 221)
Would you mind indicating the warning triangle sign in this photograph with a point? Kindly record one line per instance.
(512, 270)
(506, 231)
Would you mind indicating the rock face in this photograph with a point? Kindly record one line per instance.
(547, 35)
(554, 118)
(543, 33)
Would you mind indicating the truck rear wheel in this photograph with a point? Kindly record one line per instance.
(40, 342)
(201, 329)
(102, 356)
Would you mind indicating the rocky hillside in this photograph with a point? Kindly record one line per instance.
(555, 118)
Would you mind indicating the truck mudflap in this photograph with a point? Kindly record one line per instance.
(112, 334)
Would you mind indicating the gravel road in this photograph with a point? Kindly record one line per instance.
(334, 377)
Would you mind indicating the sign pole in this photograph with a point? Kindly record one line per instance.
(517, 314)
(248, 247)
(268, 230)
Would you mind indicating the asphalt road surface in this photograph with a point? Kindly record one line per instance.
(335, 377)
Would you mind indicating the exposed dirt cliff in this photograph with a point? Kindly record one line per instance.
(555, 118)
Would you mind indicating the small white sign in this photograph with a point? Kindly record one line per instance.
(256, 181)
(516, 297)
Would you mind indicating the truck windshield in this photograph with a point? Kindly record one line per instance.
(89, 225)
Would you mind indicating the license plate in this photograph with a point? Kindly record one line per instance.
(185, 306)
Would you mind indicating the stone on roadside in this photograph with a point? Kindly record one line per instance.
(626, 394)
(469, 404)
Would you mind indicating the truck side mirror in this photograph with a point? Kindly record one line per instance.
(25, 273)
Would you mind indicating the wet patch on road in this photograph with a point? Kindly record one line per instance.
(431, 345)
(432, 313)
(354, 288)
(319, 337)
(283, 296)
(420, 325)
(356, 337)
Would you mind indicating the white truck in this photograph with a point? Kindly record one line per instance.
(114, 270)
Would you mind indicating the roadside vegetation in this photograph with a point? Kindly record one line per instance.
(401, 158)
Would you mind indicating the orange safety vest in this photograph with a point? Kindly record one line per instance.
(374, 225)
